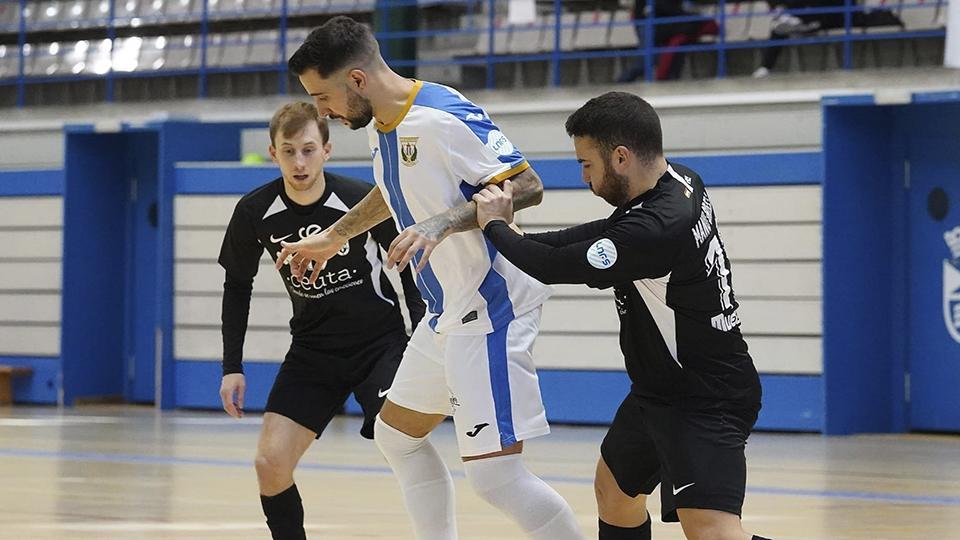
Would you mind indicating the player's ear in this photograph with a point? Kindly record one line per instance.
(327, 148)
(621, 157)
(357, 79)
(273, 153)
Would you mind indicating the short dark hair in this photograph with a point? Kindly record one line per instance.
(336, 44)
(293, 117)
(619, 119)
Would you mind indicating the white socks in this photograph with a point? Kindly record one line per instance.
(502, 481)
(506, 484)
(424, 481)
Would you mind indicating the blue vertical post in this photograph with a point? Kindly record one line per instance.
(111, 35)
(282, 68)
(648, 41)
(722, 41)
(491, 20)
(382, 23)
(847, 43)
(557, 29)
(204, 30)
(21, 41)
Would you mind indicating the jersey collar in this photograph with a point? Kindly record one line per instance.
(306, 210)
(386, 128)
(638, 201)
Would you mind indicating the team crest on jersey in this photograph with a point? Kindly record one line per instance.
(408, 150)
(951, 284)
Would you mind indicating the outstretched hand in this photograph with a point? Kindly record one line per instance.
(420, 238)
(310, 253)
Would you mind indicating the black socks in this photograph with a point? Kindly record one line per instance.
(612, 532)
(284, 513)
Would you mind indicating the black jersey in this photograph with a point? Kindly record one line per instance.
(662, 254)
(351, 303)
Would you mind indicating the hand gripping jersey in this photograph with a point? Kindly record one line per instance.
(439, 152)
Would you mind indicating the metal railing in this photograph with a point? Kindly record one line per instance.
(200, 50)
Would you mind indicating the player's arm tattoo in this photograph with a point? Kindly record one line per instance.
(366, 214)
(527, 192)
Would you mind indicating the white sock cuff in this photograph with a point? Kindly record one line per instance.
(491, 473)
(388, 433)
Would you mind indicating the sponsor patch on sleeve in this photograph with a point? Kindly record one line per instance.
(602, 254)
(499, 143)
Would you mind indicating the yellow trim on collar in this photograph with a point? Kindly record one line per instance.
(417, 85)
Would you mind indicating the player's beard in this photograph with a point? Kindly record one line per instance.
(614, 187)
(359, 111)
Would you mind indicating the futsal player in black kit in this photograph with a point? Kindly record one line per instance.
(695, 393)
(348, 332)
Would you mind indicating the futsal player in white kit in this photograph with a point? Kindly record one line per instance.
(432, 150)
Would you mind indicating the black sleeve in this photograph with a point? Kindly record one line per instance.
(233, 318)
(240, 257)
(565, 237)
(384, 233)
(636, 246)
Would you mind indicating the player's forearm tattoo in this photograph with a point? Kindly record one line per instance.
(527, 192)
(368, 213)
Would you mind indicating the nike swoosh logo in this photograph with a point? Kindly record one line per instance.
(281, 239)
(681, 488)
(381, 393)
(476, 430)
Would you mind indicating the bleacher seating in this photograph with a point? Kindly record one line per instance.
(264, 48)
(9, 62)
(9, 16)
(242, 38)
(181, 54)
(152, 54)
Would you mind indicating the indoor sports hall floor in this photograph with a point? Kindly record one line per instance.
(128, 473)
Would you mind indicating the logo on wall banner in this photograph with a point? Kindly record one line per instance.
(951, 284)
(408, 150)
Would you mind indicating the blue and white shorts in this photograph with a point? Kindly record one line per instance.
(488, 383)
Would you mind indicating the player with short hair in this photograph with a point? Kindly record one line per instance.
(348, 332)
(432, 149)
(695, 393)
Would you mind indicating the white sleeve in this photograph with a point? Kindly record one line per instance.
(479, 153)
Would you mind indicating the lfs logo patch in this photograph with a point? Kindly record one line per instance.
(602, 254)
(408, 150)
(951, 284)
(499, 143)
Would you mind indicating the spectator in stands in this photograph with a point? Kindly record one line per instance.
(786, 25)
(676, 34)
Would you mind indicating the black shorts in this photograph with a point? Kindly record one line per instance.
(696, 455)
(313, 385)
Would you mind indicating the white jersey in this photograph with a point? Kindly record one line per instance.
(439, 152)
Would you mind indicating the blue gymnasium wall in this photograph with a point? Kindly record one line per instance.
(790, 402)
(889, 364)
(90, 151)
(43, 386)
(865, 305)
